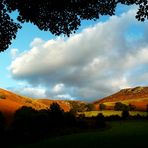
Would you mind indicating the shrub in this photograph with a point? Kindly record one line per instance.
(120, 106)
(125, 114)
(102, 106)
(100, 120)
(2, 96)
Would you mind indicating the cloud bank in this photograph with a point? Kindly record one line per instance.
(91, 64)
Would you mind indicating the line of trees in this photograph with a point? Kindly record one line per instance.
(120, 107)
(29, 125)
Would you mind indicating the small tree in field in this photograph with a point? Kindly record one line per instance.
(100, 119)
(90, 107)
(102, 106)
(56, 115)
(125, 114)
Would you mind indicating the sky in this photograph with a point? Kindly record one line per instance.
(101, 58)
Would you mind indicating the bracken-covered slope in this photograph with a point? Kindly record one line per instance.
(63, 104)
(10, 102)
(137, 96)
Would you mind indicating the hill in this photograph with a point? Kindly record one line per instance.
(10, 102)
(137, 96)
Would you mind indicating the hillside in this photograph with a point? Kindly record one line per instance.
(63, 104)
(137, 96)
(10, 102)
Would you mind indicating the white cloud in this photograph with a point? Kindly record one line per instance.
(93, 63)
(64, 97)
(34, 92)
(14, 52)
(58, 88)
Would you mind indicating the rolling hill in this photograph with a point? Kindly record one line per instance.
(10, 102)
(137, 96)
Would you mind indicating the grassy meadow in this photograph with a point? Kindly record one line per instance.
(112, 112)
(120, 134)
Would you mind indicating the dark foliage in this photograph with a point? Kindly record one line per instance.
(132, 107)
(77, 106)
(120, 106)
(8, 28)
(57, 16)
(102, 106)
(2, 96)
(113, 118)
(90, 107)
(125, 114)
(2, 124)
(31, 125)
(56, 116)
(147, 108)
(100, 119)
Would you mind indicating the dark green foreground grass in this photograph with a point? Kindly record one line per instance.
(122, 134)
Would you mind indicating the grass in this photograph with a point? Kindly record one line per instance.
(121, 134)
(112, 112)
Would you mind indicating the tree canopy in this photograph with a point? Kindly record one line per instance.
(57, 16)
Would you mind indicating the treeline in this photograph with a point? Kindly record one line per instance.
(30, 125)
(119, 107)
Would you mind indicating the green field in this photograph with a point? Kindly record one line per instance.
(111, 112)
(125, 134)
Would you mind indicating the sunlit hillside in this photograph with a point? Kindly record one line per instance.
(137, 96)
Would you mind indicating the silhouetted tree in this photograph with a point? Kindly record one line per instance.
(120, 106)
(57, 16)
(2, 124)
(77, 106)
(56, 115)
(90, 107)
(132, 107)
(24, 119)
(125, 114)
(102, 106)
(100, 119)
(69, 120)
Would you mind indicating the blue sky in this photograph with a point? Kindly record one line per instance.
(101, 58)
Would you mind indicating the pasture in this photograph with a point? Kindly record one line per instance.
(121, 134)
(111, 112)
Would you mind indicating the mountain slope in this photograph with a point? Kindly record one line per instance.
(10, 102)
(137, 96)
(63, 104)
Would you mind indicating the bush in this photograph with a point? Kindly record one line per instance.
(125, 114)
(120, 106)
(2, 96)
(100, 120)
(102, 106)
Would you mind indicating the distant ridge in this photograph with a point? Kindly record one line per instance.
(137, 96)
